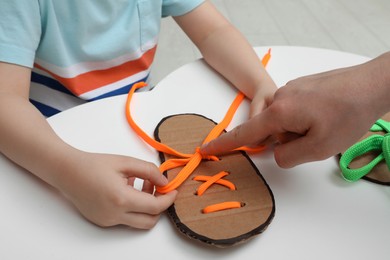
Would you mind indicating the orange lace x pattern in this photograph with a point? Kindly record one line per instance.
(190, 162)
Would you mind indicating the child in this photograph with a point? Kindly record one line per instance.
(56, 53)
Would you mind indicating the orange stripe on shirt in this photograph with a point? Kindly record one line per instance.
(98, 78)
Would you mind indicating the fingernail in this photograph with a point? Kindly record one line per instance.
(203, 146)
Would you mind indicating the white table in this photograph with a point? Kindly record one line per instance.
(318, 215)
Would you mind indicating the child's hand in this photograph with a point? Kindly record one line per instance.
(101, 187)
(263, 98)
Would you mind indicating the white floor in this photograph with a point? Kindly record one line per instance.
(356, 26)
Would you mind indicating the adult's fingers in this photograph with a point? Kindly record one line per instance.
(299, 150)
(253, 131)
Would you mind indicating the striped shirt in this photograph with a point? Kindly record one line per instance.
(85, 50)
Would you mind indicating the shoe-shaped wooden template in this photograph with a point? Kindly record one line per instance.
(380, 174)
(223, 228)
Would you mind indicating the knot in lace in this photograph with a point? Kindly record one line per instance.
(190, 162)
(206, 156)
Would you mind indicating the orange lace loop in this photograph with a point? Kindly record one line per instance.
(207, 157)
(222, 206)
(174, 163)
(210, 180)
(193, 159)
(157, 145)
(190, 162)
(185, 172)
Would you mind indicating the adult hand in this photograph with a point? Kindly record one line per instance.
(314, 117)
(101, 187)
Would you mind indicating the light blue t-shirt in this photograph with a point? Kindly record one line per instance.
(83, 49)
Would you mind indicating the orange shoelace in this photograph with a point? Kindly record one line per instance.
(190, 162)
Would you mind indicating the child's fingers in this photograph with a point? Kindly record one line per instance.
(147, 187)
(139, 220)
(142, 202)
(146, 171)
(256, 108)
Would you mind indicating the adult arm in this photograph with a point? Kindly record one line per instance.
(317, 116)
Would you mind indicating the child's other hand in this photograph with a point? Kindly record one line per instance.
(101, 187)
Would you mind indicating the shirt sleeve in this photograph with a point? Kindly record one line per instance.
(20, 31)
(179, 7)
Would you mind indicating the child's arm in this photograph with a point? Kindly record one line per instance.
(227, 51)
(99, 185)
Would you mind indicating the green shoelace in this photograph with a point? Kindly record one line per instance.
(374, 142)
